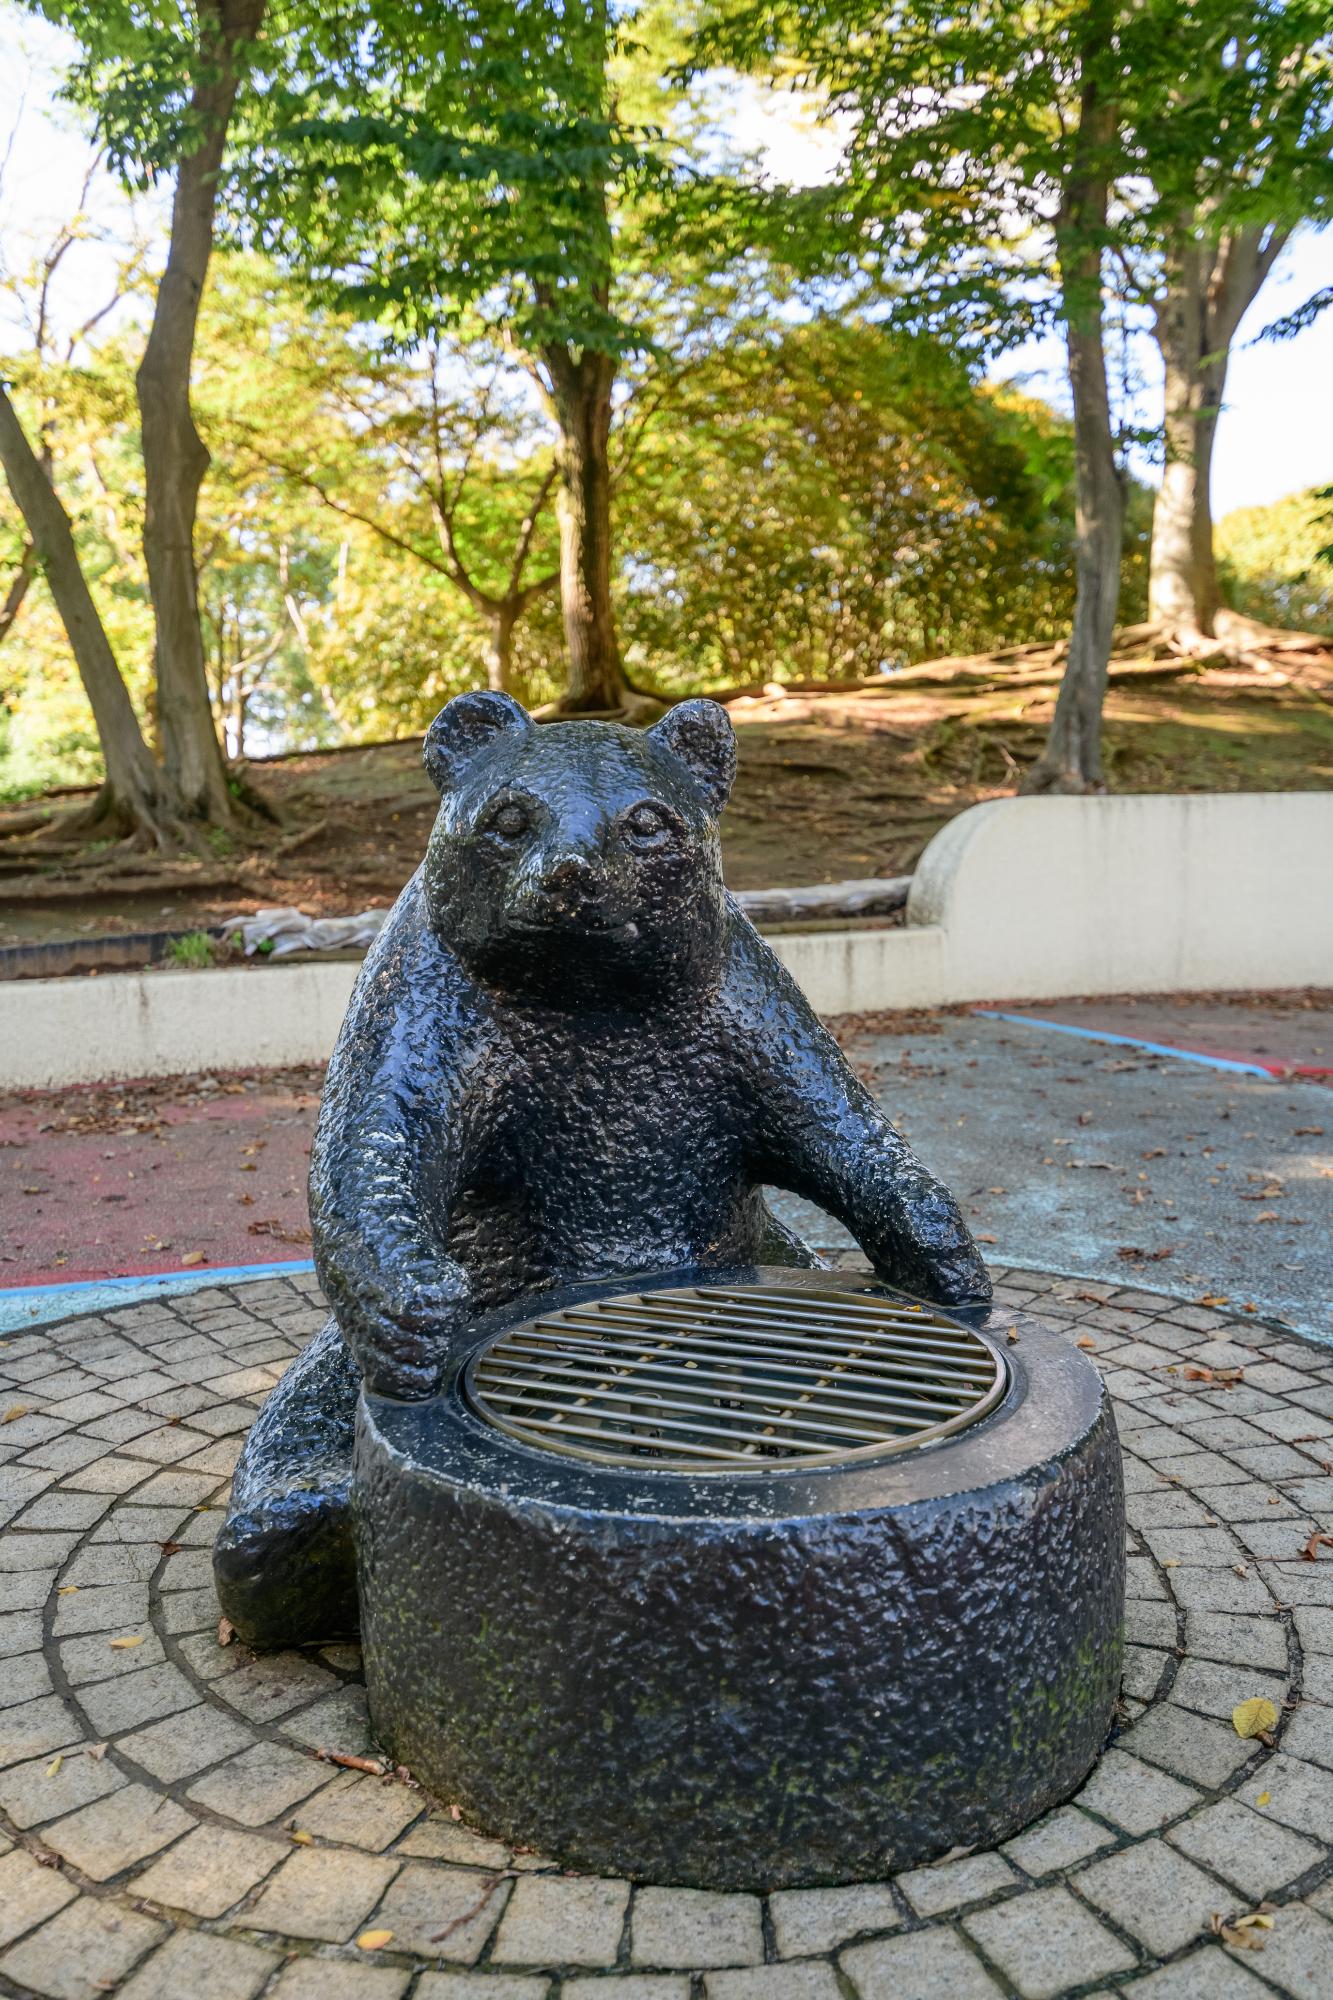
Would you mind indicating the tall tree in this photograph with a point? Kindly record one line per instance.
(450, 160)
(976, 183)
(135, 796)
(1232, 122)
(162, 80)
(174, 455)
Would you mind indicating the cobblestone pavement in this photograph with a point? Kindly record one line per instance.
(167, 1831)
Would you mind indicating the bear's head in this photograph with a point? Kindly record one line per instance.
(578, 859)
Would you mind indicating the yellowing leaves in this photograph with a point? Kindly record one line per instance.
(374, 1940)
(124, 1645)
(15, 1411)
(1244, 1933)
(1255, 1717)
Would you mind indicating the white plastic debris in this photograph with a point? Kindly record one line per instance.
(280, 932)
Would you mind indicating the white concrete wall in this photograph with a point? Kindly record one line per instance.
(1021, 899)
(1039, 898)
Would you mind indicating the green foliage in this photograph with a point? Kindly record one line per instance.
(1275, 563)
(192, 951)
(833, 501)
(965, 133)
(138, 66)
(414, 162)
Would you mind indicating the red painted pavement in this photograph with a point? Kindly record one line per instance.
(123, 1180)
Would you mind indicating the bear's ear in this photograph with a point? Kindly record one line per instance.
(465, 726)
(700, 736)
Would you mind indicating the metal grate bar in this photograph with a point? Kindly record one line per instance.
(712, 1378)
(737, 1396)
(877, 1326)
(768, 1417)
(714, 1382)
(693, 1341)
(772, 1333)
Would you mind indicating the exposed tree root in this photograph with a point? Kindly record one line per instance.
(636, 710)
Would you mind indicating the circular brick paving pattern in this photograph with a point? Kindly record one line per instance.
(168, 1828)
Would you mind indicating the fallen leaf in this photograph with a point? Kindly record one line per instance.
(350, 1762)
(1264, 1798)
(13, 1414)
(226, 1631)
(1240, 1940)
(1255, 1717)
(97, 1751)
(1154, 1153)
(171, 1548)
(374, 1940)
(124, 1645)
(1198, 1375)
(1214, 1299)
(979, 1238)
(1312, 1547)
(67, 1590)
(55, 1764)
(194, 1257)
(1308, 1132)
(455, 1812)
(1086, 1340)
(301, 1838)
(1171, 1562)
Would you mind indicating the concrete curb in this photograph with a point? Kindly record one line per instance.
(1029, 899)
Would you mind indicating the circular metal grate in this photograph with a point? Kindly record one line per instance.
(735, 1379)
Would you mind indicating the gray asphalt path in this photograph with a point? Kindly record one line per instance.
(1070, 1155)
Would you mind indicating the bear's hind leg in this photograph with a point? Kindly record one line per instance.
(284, 1562)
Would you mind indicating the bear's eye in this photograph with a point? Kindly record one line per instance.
(509, 820)
(647, 825)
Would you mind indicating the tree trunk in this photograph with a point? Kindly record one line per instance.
(500, 621)
(1209, 286)
(19, 585)
(1182, 577)
(175, 457)
(1072, 758)
(582, 401)
(136, 794)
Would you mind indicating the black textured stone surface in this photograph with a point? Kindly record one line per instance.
(749, 1681)
(568, 1056)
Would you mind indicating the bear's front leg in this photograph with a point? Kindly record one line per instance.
(819, 1133)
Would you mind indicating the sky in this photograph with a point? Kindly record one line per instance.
(1276, 431)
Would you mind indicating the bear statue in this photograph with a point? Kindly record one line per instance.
(568, 1056)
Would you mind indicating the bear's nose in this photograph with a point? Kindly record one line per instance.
(573, 875)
